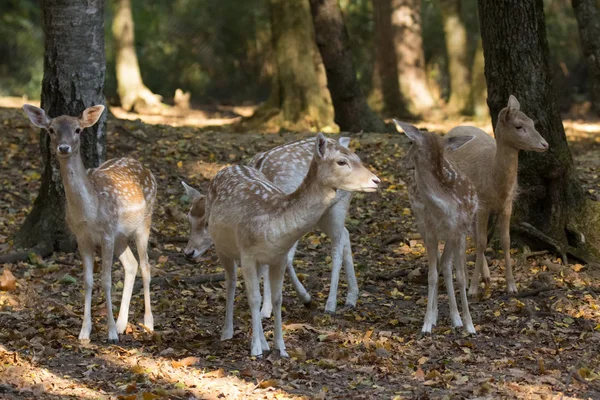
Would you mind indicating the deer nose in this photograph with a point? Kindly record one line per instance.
(64, 149)
(190, 254)
(376, 180)
(545, 145)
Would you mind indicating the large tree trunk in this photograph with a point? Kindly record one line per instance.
(386, 61)
(408, 41)
(516, 62)
(352, 113)
(74, 68)
(132, 91)
(588, 20)
(455, 35)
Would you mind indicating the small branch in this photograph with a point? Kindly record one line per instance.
(12, 258)
(192, 280)
(535, 253)
(529, 293)
(394, 239)
(589, 384)
(386, 277)
(531, 231)
(16, 196)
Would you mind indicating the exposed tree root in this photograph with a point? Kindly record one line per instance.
(10, 258)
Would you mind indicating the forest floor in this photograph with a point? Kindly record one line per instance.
(542, 345)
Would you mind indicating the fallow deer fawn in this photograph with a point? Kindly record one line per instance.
(444, 202)
(105, 206)
(492, 165)
(286, 166)
(253, 221)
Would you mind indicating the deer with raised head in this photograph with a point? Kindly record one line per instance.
(255, 223)
(444, 203)
(286, 166)
(105, 207)
(491, 165)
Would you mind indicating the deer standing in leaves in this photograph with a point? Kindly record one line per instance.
(105, 207)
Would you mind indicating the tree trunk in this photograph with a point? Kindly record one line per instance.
(132, 91)
(516, 62)
(386, 63)
(588, 20)
(408, 41)
(352, 113)
(458, 58)
(74, 68)
(478, 85)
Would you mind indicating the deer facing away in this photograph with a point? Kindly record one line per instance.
(444, 202)
(252, 221)
(105, 206)
(496, 184)
(286, 166)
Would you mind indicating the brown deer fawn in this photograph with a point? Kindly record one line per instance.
(286, 166)
(105, 207)
(444, 202)
(252, 221)
(491, 165)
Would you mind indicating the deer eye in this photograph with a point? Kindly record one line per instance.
(519, 127)
(341, 163)
(51, 130)
(78, 130)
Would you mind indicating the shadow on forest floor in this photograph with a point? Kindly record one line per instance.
(542, 346)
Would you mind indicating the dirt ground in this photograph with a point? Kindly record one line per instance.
(543, 345)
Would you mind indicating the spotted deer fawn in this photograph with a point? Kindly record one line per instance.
(105, 207)
(253, 222)
(491, 165)
(286, 166)
(444, 202)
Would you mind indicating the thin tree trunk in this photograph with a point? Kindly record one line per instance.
(352, 113)
(386, 62)
(132, 91)
(408, 41)
(455, 34)
(478, 85)
(588, 20)
(74, 69)
(517, 62)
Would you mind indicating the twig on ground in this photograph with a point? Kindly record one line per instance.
(191, 280)
(386, 277)
(11, 258)
(529, 293)
(16, 196)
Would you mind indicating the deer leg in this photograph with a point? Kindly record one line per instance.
(446, 261)
(267, 306)
(276, 274)
(108, 245)
(504, 223)
(481, 221)
(298, 287)
(332, 223)
(141, 242)
(460, 261)
(431, 244)
(130, 266)
(230, 280)
(249, 270)
(352, 296)
(86, 250)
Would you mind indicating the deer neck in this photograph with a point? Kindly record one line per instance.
(504, 171)
(81, 196)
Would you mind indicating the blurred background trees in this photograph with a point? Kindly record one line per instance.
(412, 57)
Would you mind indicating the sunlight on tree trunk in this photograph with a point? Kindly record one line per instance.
(458, 65)
(132, 91)
(517, 62)
(74, 69)
(478, 85)
(588, 20)
(352, 113)
(406, 21)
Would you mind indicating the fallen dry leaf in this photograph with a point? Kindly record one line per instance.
(8, 281)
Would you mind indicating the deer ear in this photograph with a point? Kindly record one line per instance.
(37, 116)
(320, 145)
(456, 142)
(192, 193)
(411, 131)
(90, 116)
(513, 103)
(344, 141)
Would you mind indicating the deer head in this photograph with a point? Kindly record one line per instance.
(518, 130)
(199, 240)
(65, 130)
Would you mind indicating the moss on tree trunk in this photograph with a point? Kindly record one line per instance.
(74, 69)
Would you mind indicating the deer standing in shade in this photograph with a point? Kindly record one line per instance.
(252, 221)
(491, 165)
(444, 202)
(105, 207)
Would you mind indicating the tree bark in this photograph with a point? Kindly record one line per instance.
(588, 20)
(517, 62)
(408, 41)
(455, 35)
(74, 69)
(386, 61)
(352, 113)
(132, 91)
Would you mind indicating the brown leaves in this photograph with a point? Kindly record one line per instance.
(185, 362)
(8, 281)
